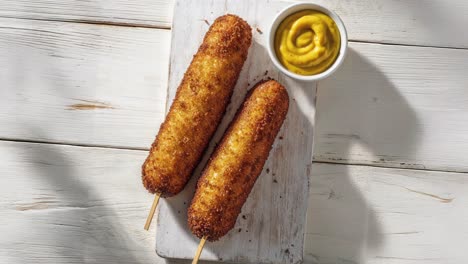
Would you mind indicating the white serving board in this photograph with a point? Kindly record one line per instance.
(271, 227)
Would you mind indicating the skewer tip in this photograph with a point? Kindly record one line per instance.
(152, 210)
(199, 250)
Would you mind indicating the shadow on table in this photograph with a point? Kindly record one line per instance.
(95, 234)
(342, 224)
(90, 230)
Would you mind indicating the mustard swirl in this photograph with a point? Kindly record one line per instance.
(307, 42)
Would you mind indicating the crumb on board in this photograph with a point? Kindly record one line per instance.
(206, 22)
(244, 217)
(267, 170)
(259, 31)
(275, 181)
(266, 72)
(240, 229)
(281, 137)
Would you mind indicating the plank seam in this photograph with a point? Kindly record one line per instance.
(92, 22)
(385, 167)
(406, 45)
(169, 27)
(51, 142)
(147, 149)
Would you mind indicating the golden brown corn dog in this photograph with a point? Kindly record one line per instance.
(235, 165)
(198, 107)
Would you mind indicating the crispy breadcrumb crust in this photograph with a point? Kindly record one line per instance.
(198, 107)
(235, 165)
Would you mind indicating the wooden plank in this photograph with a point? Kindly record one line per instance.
(395, 106)
(278, 203)
(82, 84)
(411, 22)
(146, 13)
(386, 216)
(375, 215)
(63, 204)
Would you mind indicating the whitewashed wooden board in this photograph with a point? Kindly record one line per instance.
(273, 218)
(82, 84)
(61, 204)
(413, 22)
(65, 204)
(141, 13)
(370, 215)
(396, 107)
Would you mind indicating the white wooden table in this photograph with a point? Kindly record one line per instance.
(83, 92)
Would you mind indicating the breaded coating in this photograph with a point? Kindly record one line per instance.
(235, 165)
(198, 107)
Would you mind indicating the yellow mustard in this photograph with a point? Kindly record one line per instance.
(307, 42)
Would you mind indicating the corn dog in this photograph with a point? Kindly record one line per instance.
(198, 107)
(235, 165)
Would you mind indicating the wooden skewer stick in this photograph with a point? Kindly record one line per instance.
(199, 250)
(151, 213)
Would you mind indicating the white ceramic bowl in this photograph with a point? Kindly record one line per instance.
(296, 8)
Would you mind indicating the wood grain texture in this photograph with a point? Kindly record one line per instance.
(386, 216)
(411, 22)
(266, 231)
(414, 22)
(104, 85)
(143, 13)
(82, 84)
(63, 204)
(395, 107)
